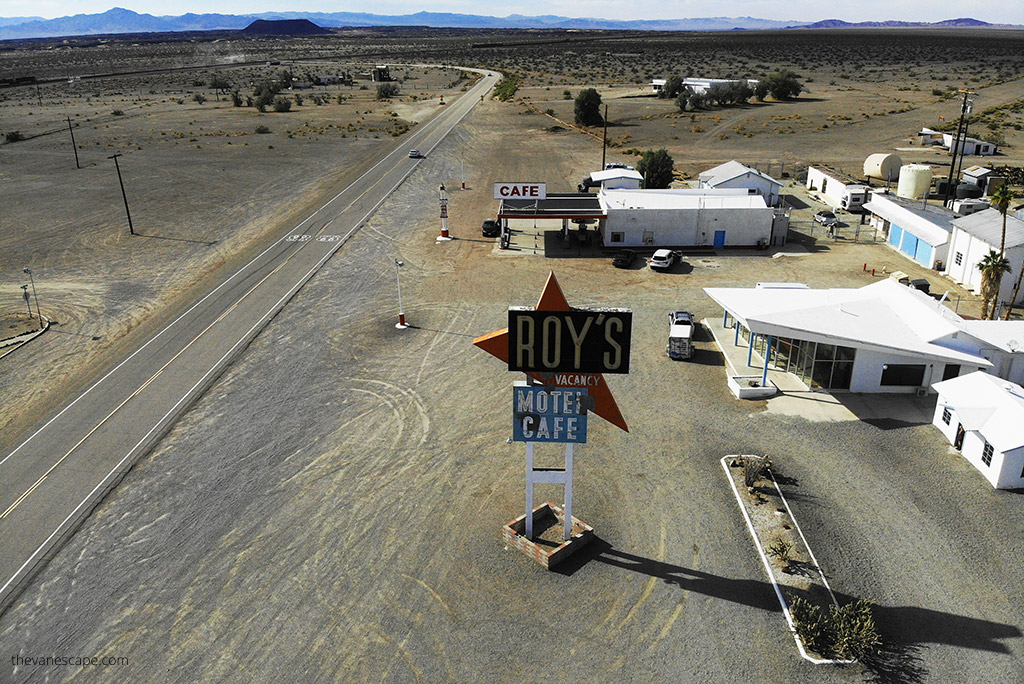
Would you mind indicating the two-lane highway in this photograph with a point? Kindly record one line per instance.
(52, 480)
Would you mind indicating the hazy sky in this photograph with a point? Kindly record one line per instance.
(1007, 11)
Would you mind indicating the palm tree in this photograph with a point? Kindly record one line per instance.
(992, 266)
(1001, 202)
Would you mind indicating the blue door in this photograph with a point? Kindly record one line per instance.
(909, 244)
(719, 238)
(895, 235)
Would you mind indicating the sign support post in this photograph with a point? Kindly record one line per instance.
(443, 199)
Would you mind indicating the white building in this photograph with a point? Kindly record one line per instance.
(972, 146)
(700, 86)
(618, 179)
(732, 174)
(981, 415)
(918, 230)
(658, 84)
(839, 190)
(690, 218)
(974, 237)
(883, 337)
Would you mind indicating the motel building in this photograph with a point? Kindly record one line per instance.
(884, 337)
(981, 416)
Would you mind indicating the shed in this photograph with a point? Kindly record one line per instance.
(981, 415)
(918, 230)
(614, 179)
(733, 174)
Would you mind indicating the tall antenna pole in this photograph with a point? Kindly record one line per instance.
(604, 140)
(957, 142)
(73, 145)
(131, 229)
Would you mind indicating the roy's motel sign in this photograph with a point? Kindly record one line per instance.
(549, 414)
(575, 341)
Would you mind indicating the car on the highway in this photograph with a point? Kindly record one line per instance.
(490, 228)
(414, 154)
(663, 259)
(825, 218)
(624, 259)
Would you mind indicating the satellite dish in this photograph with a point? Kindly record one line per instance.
(1014, 345)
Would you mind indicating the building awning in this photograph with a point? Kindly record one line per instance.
(569, 205)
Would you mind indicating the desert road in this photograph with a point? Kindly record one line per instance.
(54, 478)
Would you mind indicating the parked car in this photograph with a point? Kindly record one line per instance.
(624, 259)
(490, 228)
(663, 259)
(825, 218)
(414, 154)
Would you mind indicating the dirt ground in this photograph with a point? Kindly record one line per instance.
(331, 508)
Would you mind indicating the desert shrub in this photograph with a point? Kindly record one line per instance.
(507, 87)
(386, 90)
(566, 95)
(755, 470)
(656, 166)
(854, 632)
(282, 104)
(780, 549)
(340, 98)
(672, 88)
(298, 100)
(588, 108)
(117, 112)
(262, 130)
(13, 136)
(811, 626)
(236, 99)
(549, 111)
(199, 97)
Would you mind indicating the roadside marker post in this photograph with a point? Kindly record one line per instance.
(443, 200)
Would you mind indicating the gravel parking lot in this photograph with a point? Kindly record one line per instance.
(331, 509)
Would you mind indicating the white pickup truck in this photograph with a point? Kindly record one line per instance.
(680, 335)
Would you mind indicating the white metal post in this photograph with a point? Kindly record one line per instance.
(529, 490)
(443, 199)
(401, 325)
(568, 491)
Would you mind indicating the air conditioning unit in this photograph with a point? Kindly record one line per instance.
(922, 391)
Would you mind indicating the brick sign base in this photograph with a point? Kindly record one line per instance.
(546, 553)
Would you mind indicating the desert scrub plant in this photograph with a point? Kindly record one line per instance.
(13, 136)
(507, 87)
(854, 631)
(755, 470)
(811, 626)
(262, 130)
(781, 549)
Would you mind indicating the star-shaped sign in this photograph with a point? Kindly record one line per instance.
(552, 299)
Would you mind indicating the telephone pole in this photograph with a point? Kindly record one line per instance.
(958, 145)
(117, 166)
(73, 145)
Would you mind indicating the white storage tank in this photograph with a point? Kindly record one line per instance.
(885, 166)
(915, 181)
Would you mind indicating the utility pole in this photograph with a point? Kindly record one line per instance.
(401, 325)
(604, 140)
(73, 145)
(33, 281)
(958, 142)
(117, 166)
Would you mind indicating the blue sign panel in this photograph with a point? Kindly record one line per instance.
(549, 414)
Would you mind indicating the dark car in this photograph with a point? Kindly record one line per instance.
(490, 228)
(624, 259)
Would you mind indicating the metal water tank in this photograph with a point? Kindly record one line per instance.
(915, 181)
(883, 165)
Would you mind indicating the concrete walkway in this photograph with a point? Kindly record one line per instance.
(887, 411)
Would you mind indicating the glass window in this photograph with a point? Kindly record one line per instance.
(986, 454)
(845, 353)
(842, 374)
(946, 415)
(618, 237)
(825, 352)
(902, 375)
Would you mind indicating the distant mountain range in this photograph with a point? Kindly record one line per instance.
(119, 20)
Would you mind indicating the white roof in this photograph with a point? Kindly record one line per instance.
(989, 405)
(677, 199)
(730, 170)
(977, 171)
(930, 222)
(1005, 335)
(987, 226)
(882, 316)
(610, 174)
